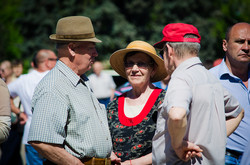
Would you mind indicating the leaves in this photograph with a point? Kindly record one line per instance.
(25, 25)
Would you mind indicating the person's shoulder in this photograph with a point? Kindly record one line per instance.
(214, 69)
(2, 83)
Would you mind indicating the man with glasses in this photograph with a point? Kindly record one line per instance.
(24, 87)
(191, 127)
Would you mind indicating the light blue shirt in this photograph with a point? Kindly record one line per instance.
(66, 112)
(239, 138)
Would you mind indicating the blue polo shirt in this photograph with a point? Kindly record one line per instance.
(239, 138)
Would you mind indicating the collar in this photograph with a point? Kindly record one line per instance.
(70, 74)
(187, 64)
(223, 71)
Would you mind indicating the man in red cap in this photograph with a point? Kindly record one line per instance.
(191, 127)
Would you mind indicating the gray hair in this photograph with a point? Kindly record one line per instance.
(182, 48)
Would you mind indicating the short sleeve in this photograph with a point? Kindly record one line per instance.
(49, 117)
(4, 100)
(179, 94)
(232, 106)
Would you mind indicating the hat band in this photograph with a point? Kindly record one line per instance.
(81, 36)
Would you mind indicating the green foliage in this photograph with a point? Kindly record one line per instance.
(26, 25)
(10, 41)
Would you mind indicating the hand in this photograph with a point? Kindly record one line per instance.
(23, 118)
(188, 150)
(114, 159)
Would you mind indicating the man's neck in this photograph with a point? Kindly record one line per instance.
(239, 70)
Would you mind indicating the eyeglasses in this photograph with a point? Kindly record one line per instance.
(53, 59)
(161, 51)
(143, 65)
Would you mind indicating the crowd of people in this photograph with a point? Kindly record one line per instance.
(171, 110)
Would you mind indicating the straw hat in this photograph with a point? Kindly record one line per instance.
(117, 59)
(74, 28)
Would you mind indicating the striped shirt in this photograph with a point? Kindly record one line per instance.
(66, 112)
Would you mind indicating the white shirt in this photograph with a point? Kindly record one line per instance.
(102, 85)
(24, 87)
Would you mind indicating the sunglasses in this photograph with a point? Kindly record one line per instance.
(143, 65)
(161, 51)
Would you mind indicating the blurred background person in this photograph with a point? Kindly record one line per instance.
(102, 84)
(12, 146)
(217, 62)
(17, 67)
(7, 72)
(24, 87)
(5, 120)
(132, 116)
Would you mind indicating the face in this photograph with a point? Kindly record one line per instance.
(84, 56)
(6, 70)
(139, 69)
(237, 47)
(52, 60)
(168, 60)
(18, 70)
(97, 68)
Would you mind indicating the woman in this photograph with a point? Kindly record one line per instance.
(132, 116)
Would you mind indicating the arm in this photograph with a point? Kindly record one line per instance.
(55, 153)
(5, 123)
(233, 123)
(22, 116)
(5, 119)
(112, 94)
(177, 123)
(144, 160)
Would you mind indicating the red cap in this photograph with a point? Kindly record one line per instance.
(175, 32)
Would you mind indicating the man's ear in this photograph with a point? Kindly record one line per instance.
(224, 45)
(71, 49)
(170, 51)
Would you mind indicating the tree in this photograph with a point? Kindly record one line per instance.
(10, 40)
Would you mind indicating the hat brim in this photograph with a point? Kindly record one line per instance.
(117, 63)
(53, 38)
(160, 44)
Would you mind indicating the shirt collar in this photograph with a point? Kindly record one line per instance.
(224, 71)
(187, 64)
(70, 74)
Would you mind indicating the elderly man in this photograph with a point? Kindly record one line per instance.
(191, 127)
(69, 125)
(234, 75)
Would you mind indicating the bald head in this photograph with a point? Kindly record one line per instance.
(45, 59)
(242, 26)
(6, 69)
(97, 67)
